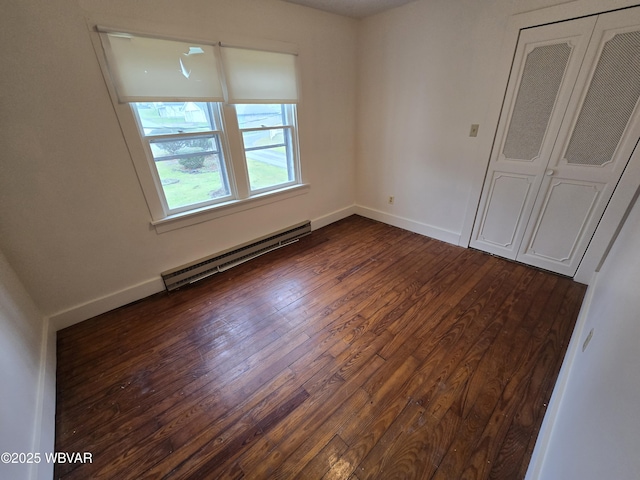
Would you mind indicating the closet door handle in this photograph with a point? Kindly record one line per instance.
(550, 172)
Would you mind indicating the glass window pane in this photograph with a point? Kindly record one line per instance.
(182, 146)
(183, 187)
(268, 164)
(191, 170)
(257, 116)
(264, 138)
(159, 118)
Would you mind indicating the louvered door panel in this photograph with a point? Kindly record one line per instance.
(594, 144)
(546, 65)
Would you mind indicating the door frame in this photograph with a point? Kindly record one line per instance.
(629, 183)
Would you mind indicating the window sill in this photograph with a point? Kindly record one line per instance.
(185, 219)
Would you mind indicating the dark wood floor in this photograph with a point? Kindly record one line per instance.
(363, 351)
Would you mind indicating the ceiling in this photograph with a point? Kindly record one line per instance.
(352, 8)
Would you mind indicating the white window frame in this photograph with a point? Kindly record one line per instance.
(293, 157)
(223, 150)
(165, 219)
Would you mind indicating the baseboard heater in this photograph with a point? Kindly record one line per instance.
(220, 262)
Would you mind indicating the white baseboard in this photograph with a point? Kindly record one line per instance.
(101, 305)
(45, 425)
(114, 300)
(411, 225)
(332, 217)
(546, 430)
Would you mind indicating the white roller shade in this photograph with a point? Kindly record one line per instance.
(255, 76)
(151, 69)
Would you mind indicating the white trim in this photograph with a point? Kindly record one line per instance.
(411, 225)
(44, 430)
(141, 290)
(104, 23)
(480, 163)
(612, 219)
(205, 214)
(127, 123)
(272, 47)
(106, 303)
(333, 217)
(203, 40)
(546, 430)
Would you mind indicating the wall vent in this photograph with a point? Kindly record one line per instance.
(223, 261)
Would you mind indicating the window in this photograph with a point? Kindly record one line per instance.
(267, 136)
(181, 95)
(184, 143)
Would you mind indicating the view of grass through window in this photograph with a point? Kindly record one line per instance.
(184, 139)
(267, 142)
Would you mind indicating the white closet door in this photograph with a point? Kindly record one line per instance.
(546, 65)
(595, 141)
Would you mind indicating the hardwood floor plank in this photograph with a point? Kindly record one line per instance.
(404, 324)
(203, 408)
(420, 452)
(306, 422)
(191, 440)
(337, 300)
(368, 424)
(479, 453)
(106, 409)
(244, 438)
(316, 441)
(403, 454)
(325, 459)
(374, 462)
(361, 351)
(500, 355)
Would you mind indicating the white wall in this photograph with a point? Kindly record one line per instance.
(427, 72)
(26, 395)
(75, 225)
(595, 432)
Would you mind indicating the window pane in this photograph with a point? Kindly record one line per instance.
(182, 147)
(256, 116)
(274, 137)
(268, 158)
(191, 170)
(183, 187)
(158, 118)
